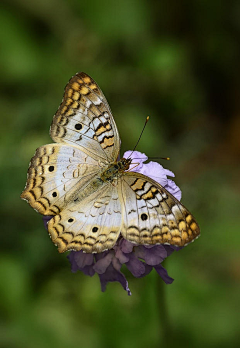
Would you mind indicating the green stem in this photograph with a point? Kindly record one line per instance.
(164, 320)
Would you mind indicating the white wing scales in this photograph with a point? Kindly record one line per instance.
(93, 225)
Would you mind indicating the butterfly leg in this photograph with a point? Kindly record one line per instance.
(130, 170)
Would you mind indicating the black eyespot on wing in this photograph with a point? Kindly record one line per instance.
(78, 126)
(144, 217)
(95, 229)
(54, 194)
(51, 168)
(70, 220)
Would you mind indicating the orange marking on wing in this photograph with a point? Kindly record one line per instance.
(138, 185)
(86, 79)
(148, 195)
(189, 219)
(75, 86)
(93, 86)
(107, 142)
(84, 90)
(75, 105)
(76, 96)
(101, 130)
(68, 101)
(70, 112)
(70, 92)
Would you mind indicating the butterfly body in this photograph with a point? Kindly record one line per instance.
(92, 196)
(108, 175)
(116, 169)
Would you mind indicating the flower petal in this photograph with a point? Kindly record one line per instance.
(88, 270)
(126, 246)
(74, 266)
(152, 256)
(135, 266)
(171, 248)
(174, 189)
(46, 218)
(135, 155)
(163, 274)
(116, 264)
(112, 275)
(83, 259)
(148, 269)
(79, 262)
(155, 171)
(102, 263)
(169, 172)
(120, 255)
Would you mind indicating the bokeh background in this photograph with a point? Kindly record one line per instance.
(177, 61)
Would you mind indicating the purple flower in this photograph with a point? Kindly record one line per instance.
(139, 259)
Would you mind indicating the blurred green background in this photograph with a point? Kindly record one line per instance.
(177, 61)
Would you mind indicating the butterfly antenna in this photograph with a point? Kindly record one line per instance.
(147, 119)
(165, 158)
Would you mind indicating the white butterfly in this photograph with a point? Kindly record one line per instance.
(91, 195)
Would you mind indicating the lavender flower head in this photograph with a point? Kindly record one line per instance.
(139, 259)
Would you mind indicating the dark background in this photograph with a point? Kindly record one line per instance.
(176, 61)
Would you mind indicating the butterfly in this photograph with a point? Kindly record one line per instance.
(92, 196)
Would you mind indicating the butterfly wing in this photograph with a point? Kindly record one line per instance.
(55, 172)
(151, 215)
(93, 225)
(84, 118)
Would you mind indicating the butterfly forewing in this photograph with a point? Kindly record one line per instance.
(85, 119)
(54, 172)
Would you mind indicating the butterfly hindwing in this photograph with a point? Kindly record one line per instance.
(84, 118)
(92, 225)
(152, 215)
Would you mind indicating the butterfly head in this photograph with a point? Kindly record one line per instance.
(124, 163)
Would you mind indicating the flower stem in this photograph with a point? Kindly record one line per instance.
(164, 320)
